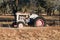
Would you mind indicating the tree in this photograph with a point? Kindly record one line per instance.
(52, 4)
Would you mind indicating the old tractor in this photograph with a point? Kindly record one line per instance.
(30, 19)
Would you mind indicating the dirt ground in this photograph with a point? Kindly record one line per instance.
(30, 33)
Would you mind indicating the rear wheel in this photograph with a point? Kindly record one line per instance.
(39, 22)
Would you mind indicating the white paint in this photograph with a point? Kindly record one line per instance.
(33, 16)
(20, 25)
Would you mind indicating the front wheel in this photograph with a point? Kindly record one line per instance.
(39, 22)
(20, 25)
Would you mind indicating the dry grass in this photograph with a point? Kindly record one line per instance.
(30, 33)
(11, 17)
(6, 22)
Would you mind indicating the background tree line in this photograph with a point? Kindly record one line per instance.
(11, 6)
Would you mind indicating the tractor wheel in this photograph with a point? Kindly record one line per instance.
(14, 25)
(39, 22)
(20, 25)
